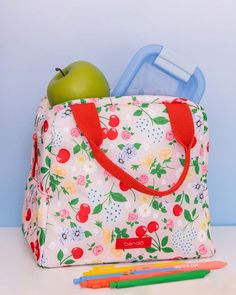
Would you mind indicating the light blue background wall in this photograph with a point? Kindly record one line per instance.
(36, 36)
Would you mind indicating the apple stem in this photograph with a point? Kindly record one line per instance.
(60, 70)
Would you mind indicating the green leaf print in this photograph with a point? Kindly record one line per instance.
(167, 250)
(74, 202)
(159, 171)
(60, 255)
(150, 250)
(137, 145)
(76, 149)
(128, 256)
(138, 113)
(178, 198)
(164, 241)
(41, 237)
(99, 109)
(87, 234)
(187, 216)
(118, 197)
(97, 209)
(73, 224)
(160, 120)
(186, 197)
(84, 146)
(44, 170)
(155, 205)
(144, 105)
(121, 146)
(182, 161)
(194, 212)
(48, 162)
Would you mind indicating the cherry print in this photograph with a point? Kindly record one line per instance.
(114, 121)
(104, 133)
(45, 126)
(82, 218)
(41, 186)
(63, 156)
(32, 246)
(77, 252)
(141, 231)
(112, 133)
(37, 250)
(153, 226)
(28, 215)
(85, 209)
(177, 210)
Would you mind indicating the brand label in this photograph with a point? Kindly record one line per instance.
(132, 243)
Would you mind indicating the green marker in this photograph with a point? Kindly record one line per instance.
(198, 274)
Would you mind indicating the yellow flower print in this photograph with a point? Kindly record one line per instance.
(80, 159)
(207, 216)
(144, 199)
(70, 186)
(190, 174)
(148, 160)
(57, 170)
(106, 236)
(165, 154)
(115, 252)
(204, 224)
(38, 216)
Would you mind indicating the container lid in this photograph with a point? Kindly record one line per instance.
(153, 71)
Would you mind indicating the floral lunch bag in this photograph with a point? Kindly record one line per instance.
(118, 179)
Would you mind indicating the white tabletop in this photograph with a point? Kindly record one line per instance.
(19, 275)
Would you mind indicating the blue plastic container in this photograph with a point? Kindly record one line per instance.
(151, 72)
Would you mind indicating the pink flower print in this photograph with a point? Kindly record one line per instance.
(201, 151)
(112, 107)
(170, 223)
(136, 102)
(58, 108)
(94, 99)
(143, 178)
(81, 180)
(97, 250)
(125, 134)
(204, 169)
(75, 132)
(132, 217)
(202, 249)
(169, 135)
(64, 213)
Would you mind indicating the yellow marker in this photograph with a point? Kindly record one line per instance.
(109, 269)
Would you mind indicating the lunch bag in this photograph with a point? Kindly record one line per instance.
(118, 179)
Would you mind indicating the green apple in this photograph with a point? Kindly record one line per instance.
(80, 79)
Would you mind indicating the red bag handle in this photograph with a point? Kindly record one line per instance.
(87, 120)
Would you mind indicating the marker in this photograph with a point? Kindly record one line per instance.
(105, 282)
(211, 265)
(197, 274)
(88, 278)
(98, 270)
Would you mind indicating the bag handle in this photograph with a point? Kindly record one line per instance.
(87, 120)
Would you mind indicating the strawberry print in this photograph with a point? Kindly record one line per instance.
(75, 212)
